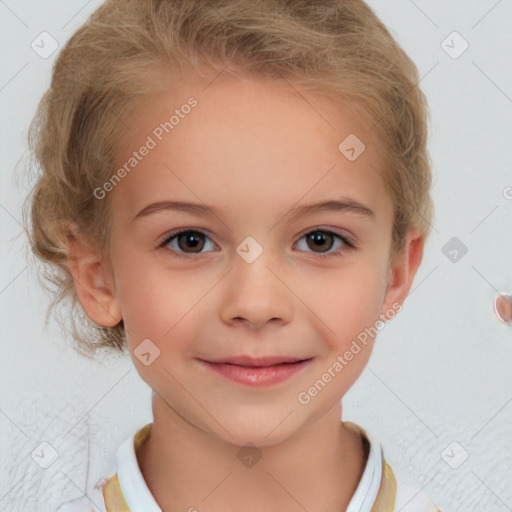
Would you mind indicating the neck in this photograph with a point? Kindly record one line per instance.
(186, 467)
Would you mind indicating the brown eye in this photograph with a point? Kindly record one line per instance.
(188, 241)
(320, 240)
(324, 243)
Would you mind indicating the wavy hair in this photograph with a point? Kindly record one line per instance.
(131, 48)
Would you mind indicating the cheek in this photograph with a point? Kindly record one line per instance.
(157, 304)
(351, 301)
(141, 297)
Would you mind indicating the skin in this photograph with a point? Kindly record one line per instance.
(252, 150)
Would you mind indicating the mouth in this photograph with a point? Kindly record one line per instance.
(260, 362)
(257, 372)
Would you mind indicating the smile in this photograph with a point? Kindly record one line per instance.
(265, 374)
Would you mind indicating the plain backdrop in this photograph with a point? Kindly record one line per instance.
(438, 388)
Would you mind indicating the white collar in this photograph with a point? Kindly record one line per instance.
(139, 497)
(369, 485)
(132, 483)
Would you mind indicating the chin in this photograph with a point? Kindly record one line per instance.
(263, 429)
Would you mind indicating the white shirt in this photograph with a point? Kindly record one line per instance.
(139, 498)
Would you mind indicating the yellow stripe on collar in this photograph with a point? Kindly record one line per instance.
(115, 502)
(113, 496)
(385, 501)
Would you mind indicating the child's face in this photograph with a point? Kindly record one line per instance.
(253, 152)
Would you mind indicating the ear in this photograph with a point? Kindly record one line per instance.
(403, 267)
(93, 280)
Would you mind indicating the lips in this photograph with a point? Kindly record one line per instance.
(259, 362)
(257, 372)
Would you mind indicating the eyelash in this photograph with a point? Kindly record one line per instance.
(173, 234)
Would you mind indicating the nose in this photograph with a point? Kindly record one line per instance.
(255, 294)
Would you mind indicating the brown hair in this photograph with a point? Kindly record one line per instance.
(127, 48)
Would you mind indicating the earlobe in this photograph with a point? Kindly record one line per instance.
(403, 268)
(93, 283)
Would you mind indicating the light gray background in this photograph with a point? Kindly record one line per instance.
(441, 370)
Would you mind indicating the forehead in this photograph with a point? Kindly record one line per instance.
(245, 143)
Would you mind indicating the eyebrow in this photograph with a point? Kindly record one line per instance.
(345, 204)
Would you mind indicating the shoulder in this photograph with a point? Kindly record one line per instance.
(381, 488)
(113, 495)
(106, 497)
(92, 502)
(410, 499)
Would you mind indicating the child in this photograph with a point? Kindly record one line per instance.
(237, 192)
